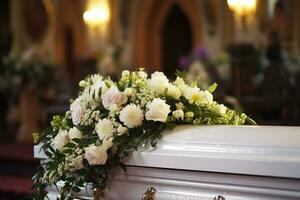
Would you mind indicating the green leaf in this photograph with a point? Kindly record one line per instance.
(212, 87)
(250, 121)
(70, 145)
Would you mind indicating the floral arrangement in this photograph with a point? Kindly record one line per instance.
(109, 120)
(26, 70)
(201, 67)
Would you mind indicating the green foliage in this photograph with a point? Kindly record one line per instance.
(60, 163)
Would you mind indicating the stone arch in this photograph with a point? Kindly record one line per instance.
(150, 18)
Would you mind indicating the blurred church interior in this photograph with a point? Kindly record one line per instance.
(250, 48)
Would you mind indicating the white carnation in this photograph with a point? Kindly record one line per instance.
(105, 129)
(60, 140)
(95, 155)
(158, 82)
(173, 91)
(132, 116)
(74, 133)
(178, 114)
(158, 110)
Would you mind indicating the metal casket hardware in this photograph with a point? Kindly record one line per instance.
(149, 194)
(219, 197)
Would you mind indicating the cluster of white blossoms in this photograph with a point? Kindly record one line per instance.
(112, 109)
(109, 120)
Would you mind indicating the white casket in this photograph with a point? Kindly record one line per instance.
(210, 162)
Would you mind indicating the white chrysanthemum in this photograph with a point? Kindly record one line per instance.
(105, 129)
(178, 114)
(74, 133)
(94, 91)
(96, 78)
(158, 110)
(158, 82)
(221, 109)
(77, 111)
(60, 140)
(132, 116)
(95, 155)
(173, 91)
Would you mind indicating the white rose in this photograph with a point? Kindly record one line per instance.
(207, 97)
(105, 129)
(158, 110)
(113, 96)
(95, 155)
(179, 81)
(77, 111)
(221, 109)
(132, 116)
(178, 114)
(158, 82)
(74, 133)
(194, 95)
(122, 130)
(173, 91)
(60, 140)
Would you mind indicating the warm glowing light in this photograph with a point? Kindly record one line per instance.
(97, 13)
(242, 7)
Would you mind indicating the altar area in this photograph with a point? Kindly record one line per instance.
(220, 65)
(208, 162)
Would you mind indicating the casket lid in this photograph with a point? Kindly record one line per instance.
(252, 150)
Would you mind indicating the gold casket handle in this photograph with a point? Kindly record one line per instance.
(149, 194)
(219, 197)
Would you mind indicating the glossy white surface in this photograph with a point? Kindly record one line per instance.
(188, 185)
(252, 150)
